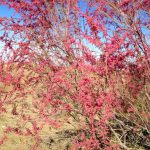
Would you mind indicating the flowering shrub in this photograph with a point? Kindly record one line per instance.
(104, 88)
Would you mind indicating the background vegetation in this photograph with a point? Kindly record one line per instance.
(75, 75)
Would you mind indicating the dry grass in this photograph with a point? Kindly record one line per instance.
(54, 139)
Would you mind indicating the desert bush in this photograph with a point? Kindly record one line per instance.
(82, 60)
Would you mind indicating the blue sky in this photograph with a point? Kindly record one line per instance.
(7, 12)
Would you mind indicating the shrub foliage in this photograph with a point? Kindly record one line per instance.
(85, 60)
